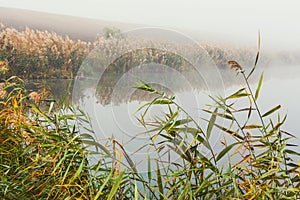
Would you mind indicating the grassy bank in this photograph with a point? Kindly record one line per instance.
(46, 145)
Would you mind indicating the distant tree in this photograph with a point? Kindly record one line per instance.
(112, 32)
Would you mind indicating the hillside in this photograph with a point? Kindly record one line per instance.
(75, 27)
(27, 31)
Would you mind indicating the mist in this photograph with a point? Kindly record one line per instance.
(235, 22)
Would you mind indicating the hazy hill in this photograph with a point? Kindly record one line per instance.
(76, 27)
(87, 29)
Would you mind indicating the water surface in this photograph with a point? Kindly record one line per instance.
(112, 103)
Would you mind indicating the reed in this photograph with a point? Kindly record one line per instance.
(47, 146)
(256, 161)
(40, 54)
(44, 154)
(34, 54)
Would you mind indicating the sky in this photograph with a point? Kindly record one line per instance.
(235, 20)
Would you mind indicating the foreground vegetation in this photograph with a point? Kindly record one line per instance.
(46, 146)
(256, 160)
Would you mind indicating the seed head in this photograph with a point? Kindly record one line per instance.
(234, 65)
(34, 96)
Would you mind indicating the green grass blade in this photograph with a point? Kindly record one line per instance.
(136, 193)
(103, 185)
(257, 57)
(253, 69)
(52, 102)
(60, 161)
(96, 144)
(225, 150)
(211, 123)
(291, 152)
(149, 169)
(240, 93)
(259, 86)
(223, 115)
(230, 132)
(271, 111)
(78, 171)
(269, 173)
(159, 181)
(115, 186)
(38, 111)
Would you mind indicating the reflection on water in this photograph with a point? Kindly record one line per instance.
(112, 103)
(117, 88)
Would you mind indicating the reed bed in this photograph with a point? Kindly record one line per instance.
(46, 149)
(46, 145)
(43, 153)
(256, 159)
(38, 54)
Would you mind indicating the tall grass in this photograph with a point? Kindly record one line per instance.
(256, 161)
(46, 147)
(36, 54)
(41, 54)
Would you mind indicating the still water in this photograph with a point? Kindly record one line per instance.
(113, 101)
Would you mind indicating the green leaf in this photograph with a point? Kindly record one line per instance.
(66, 117)
(252, 70)
(61, 161)
(145, 87)
(187, 129)
(149, 169)
(136, 193)
(177, 123)
(230, 132)
(159, 181)
(182, 152)
(162, 101)
(156, 101)
(194, 131)
(269, 173)
(289, 151)
(96, 144)
(271, 111)
(257, 57)
(103, 185)
(211, 123)
(51, 106)
(240, 93)
(28, 149)
(225, 150)
(223, 115)
(115, 186)
(38, 111)
(78, 171)
(259, 86)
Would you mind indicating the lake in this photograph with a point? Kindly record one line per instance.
(112, 107)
